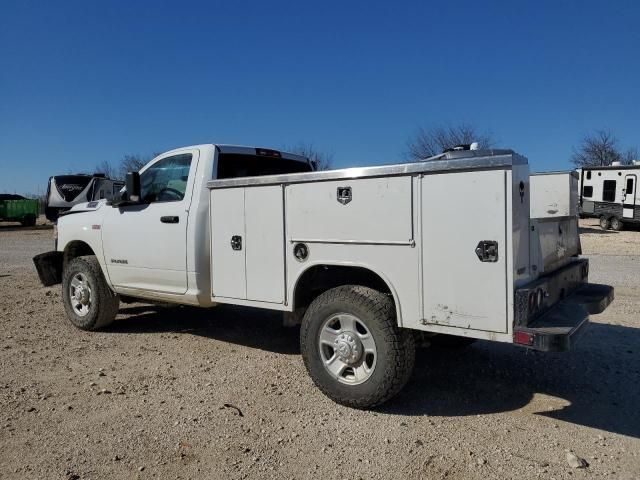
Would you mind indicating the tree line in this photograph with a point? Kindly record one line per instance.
(597, 148)
(318, 159)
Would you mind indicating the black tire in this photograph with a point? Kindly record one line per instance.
(104, 303)
(605, 224)
(395, 347)
(616, 224)
(28, 221)
(451, 342)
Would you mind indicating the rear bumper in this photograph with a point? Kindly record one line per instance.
(572, 300)
(49, 267)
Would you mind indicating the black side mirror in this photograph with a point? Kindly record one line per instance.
(133, 186)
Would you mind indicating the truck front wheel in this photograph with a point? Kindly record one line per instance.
(88, 301)
(353, 348)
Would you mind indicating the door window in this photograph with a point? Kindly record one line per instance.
(166, 180)
(609, 191)
(629, 189)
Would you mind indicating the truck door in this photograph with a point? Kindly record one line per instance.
(145, 246)
(629, 199)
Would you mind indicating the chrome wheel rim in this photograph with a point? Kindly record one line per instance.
(347, 349)
(80, 294)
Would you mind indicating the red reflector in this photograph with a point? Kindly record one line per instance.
(523, 338)
(265, 152)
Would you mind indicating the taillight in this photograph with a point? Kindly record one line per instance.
(523, 338)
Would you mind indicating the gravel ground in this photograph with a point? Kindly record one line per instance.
(189, 393)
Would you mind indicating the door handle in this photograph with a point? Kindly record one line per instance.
(170, 219)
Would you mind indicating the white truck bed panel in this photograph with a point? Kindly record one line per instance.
(228, 267)
(554, 220)
(554, 194)
(264, 227)
(379, 211)
(417, 230)
(459, 290)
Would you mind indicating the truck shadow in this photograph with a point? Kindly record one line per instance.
(14, 227)
(633, 227)
(253, 328)
(596, 385)
(596, 230)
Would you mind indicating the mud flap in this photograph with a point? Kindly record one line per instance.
(49, 267)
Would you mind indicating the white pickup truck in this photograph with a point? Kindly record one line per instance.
(368, 260)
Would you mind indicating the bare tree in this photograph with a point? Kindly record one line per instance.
(133, 163)
(319, 160)
(107, 169)
(597, 149)
(630, 155)
(428, 142)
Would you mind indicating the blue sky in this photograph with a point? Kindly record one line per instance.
(86, 81)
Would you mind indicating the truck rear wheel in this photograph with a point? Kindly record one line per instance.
(604, 223)
(88, 301)
(616, 224)
(353, 348)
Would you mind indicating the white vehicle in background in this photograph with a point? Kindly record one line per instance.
(610, 194)
(366, 259)
(65, 191)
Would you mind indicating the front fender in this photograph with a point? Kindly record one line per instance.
(82, 228)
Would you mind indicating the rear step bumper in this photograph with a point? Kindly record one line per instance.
(558, 329)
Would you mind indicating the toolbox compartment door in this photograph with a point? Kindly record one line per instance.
(458, 211)
(228, 268)
(369, 210)
(247, 243)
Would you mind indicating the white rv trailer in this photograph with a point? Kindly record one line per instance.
(611, 194)
(65, 191)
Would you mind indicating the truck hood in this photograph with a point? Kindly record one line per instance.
(85, 207)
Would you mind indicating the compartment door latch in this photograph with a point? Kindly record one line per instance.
(487, 251)
(236, 242)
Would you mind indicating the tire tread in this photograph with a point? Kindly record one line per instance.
(400, 341)
(106, 299)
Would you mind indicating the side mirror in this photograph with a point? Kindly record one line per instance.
(133, 186)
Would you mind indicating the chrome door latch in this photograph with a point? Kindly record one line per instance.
(487, 251)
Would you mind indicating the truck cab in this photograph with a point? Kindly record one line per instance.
(173, 207)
